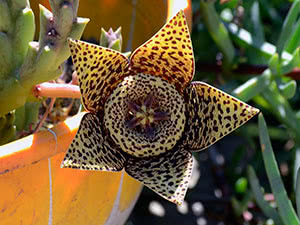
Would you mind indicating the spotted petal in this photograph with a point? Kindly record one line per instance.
(89, 150)
(212, 114)
(167, 54)
(167, 175)
(99, 70)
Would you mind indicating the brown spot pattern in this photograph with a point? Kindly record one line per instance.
(212, 114)
(99, 70)
(90, 150)
(164, 68)
(167, 99)
(167, 175)
(165, 55)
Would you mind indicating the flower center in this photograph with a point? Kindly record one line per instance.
(145, 115)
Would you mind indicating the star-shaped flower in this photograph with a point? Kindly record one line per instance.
(145, 115)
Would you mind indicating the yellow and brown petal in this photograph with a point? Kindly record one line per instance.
(211, 115)
(167, 175)
(145, 114)
(99, 70)
(91, 150)
(168, 54)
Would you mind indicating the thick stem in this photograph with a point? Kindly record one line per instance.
(52, 90)
(39, 61)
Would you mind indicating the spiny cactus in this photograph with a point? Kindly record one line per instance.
(24, 62)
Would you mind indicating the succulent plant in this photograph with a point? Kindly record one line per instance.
(145, 114)
(24, 62)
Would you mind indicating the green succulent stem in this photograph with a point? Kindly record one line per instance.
(245, 40)
(287, 27)
(257, 27)
(282, 109)
(298, 192)
(24, 33)
(24, 63)
(7, 127)
(218, 31)
(5, 24)
(294, 41)
(296, 166)
(285, 208)
(253, 87)
(27, 116)
(12, 95)
(6, 56)
(259, 197)
(274, 132)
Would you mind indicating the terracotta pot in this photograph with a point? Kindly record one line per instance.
(33, 187)
(35, 190)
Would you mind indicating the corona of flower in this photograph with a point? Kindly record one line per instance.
(145, 115)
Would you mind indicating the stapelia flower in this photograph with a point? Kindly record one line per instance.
(145, 115)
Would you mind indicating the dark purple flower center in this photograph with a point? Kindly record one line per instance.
(145, 116)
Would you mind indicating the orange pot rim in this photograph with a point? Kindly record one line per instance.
(38, 146)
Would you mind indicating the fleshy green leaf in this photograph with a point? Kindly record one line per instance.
(287, 27)
(288, 89)
(259, 197)
(294, 41)
(285, 208)
(258, 32)
(289, 65)
(253, 87)
(274, 65)
(245, 40)
(217, 30)
(298, 192)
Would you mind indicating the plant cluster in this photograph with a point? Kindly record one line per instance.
(249, 49)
